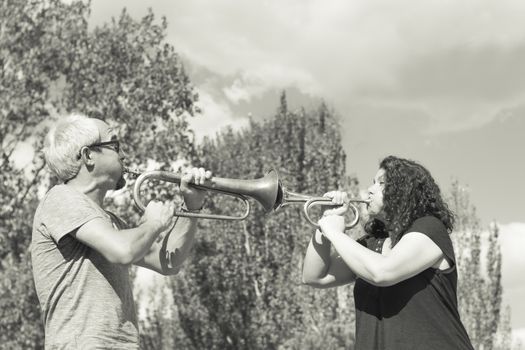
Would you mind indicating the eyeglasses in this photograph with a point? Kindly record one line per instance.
(113, 144)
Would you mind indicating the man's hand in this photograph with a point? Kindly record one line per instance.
(193, 197)
(158, 216)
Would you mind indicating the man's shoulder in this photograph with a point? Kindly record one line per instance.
(59, 191)
(63, 196)
(55, 195)
(64, 209)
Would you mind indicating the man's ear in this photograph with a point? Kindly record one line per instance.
(86, 155)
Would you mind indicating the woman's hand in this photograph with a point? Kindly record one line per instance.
(340, 203)
(332, 224)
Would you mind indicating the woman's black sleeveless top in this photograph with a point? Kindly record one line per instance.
(418, 313)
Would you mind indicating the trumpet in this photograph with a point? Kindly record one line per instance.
(268, 191)
(285, 198)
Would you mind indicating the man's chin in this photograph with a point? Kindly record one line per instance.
(120, 183)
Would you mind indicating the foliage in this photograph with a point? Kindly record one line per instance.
(242, 288)
(52, 64)
(20, 325)
(479, 281)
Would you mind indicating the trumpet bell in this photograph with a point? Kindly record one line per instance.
(266, 190)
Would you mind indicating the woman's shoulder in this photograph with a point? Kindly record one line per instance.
(428, 224)
(435, 229)
(429, 220)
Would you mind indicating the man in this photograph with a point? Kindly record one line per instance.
(81, 253)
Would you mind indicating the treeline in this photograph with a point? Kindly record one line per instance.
(479, 257)
(241, 288)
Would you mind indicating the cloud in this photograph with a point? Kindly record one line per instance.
(264, 79)
(216, 115)
(458, 64)
(512, 240)
(418, 54)
(466, 72)
(518, 337)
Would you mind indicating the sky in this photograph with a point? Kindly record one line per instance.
(441, 82)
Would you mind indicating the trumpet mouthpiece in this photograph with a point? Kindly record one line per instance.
(360, 201)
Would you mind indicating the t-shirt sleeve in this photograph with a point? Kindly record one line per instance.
(433, 228)
(65, 210)
(119, 223)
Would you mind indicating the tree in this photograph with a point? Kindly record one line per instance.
(51, 64)
(30, 40)
(241, 289)
(479, 275)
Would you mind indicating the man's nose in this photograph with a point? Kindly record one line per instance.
(122, 154)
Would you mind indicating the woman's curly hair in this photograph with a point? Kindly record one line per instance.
(410, 192)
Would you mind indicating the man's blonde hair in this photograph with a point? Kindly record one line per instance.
(64, 141)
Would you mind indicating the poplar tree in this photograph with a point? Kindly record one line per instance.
(479, 275)
(242, 288)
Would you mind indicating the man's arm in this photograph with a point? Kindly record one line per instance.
(130, 245)
(173, 246)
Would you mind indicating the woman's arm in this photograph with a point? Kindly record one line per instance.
(322, 269)
(414, 253)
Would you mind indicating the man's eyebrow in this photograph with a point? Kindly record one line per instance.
(112, 133)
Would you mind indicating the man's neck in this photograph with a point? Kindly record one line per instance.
(90, 188)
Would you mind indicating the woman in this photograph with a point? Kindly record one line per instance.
(404, 269)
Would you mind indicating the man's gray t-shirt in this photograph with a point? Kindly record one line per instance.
(86, 301)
